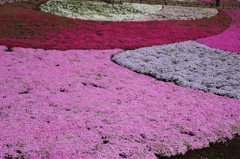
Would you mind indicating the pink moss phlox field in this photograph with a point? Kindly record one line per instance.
(22, 25)
(228, 40)
(79, 104)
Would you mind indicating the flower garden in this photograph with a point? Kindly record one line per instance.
(157, 82)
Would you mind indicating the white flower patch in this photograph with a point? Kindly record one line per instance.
(187, 64)
(184, 13)
(101, 11)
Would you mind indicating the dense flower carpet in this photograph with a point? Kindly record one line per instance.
(156, 82)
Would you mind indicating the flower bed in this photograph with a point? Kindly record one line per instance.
(78, 104)
(11, 1)
(229, 39)
(184, 13)
(22, 25)
(101, 11)
(187, 64)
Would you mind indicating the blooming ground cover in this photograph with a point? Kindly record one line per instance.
(184, 13)
(99, 11)
(23, 25)
(10, 1)
(58, 104)
(231, 35)
(79, 104)
(102, 11)
(188, 64)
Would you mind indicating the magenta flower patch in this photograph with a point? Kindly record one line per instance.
(79, 104)
(229, 39)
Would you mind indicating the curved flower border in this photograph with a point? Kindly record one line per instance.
(28, 27)
(78, 104)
